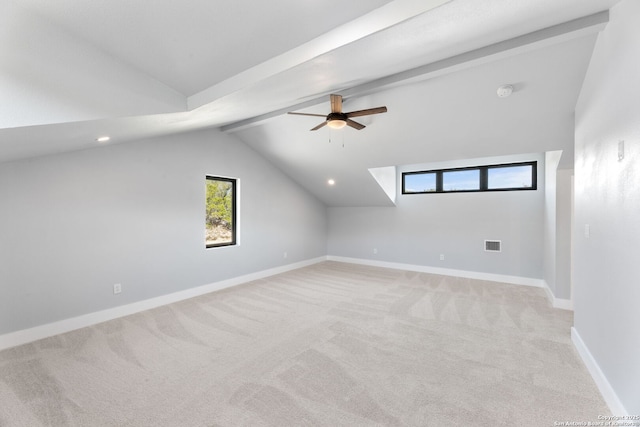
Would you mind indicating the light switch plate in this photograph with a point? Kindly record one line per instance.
(620, 150)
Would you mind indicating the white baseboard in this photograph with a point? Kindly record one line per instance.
(43, 331)
(25, 336)
(564, 304)
(609, 395)
(515, 280)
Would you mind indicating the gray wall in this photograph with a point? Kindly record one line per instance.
(72, 225)
(552, 158)
(564, 219)
(607, 198)
(423, 226)
(557, 226)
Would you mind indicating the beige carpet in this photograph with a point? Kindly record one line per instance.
(328, 345)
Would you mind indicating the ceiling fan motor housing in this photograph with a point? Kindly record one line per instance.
(337, 116)
(336, 119)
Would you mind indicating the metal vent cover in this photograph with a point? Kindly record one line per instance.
(493, 245)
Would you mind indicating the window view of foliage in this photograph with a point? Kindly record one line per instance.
(219, 223)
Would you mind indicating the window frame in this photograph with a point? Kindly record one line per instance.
(234, 211)
(483, 178)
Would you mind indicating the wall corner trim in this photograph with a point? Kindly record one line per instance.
(564, 304)
(514, 280)
(14, 339)
(609, 395)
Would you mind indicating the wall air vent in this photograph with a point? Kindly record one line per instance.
(493, 245)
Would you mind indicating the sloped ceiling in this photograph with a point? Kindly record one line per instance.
(73, 70)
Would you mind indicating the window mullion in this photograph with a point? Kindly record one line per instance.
(484, 178)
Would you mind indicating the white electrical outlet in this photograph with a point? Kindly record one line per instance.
(117, 288)
(441, 257)
(587, 231)
(375, 251)
(284, 255)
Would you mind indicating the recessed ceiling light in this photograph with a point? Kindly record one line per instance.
(331, 182)
(103, 139)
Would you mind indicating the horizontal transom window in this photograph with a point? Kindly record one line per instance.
(503, 177)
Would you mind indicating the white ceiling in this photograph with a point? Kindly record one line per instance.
(72, 70)
(191, 44)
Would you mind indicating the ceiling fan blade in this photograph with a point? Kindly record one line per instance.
(355, 125)
(336, 103)
(323, 124)
(367, 112)
(307, 114)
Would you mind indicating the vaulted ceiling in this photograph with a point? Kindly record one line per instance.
(73, 70)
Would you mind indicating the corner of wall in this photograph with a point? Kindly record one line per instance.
(564, 304)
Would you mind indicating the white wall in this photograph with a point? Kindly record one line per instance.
(607, 198)
(72, 225)
(552, 158)
(557, 229)
(49, 76)
(564, 218)
(423, 226)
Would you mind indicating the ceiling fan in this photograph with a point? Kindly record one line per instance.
(336, 119)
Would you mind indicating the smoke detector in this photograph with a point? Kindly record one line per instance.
(504, 91)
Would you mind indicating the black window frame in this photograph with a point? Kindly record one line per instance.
(234, 211)
(483, 177)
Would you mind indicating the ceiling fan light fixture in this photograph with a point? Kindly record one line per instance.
(336, 119)
(336, 124)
